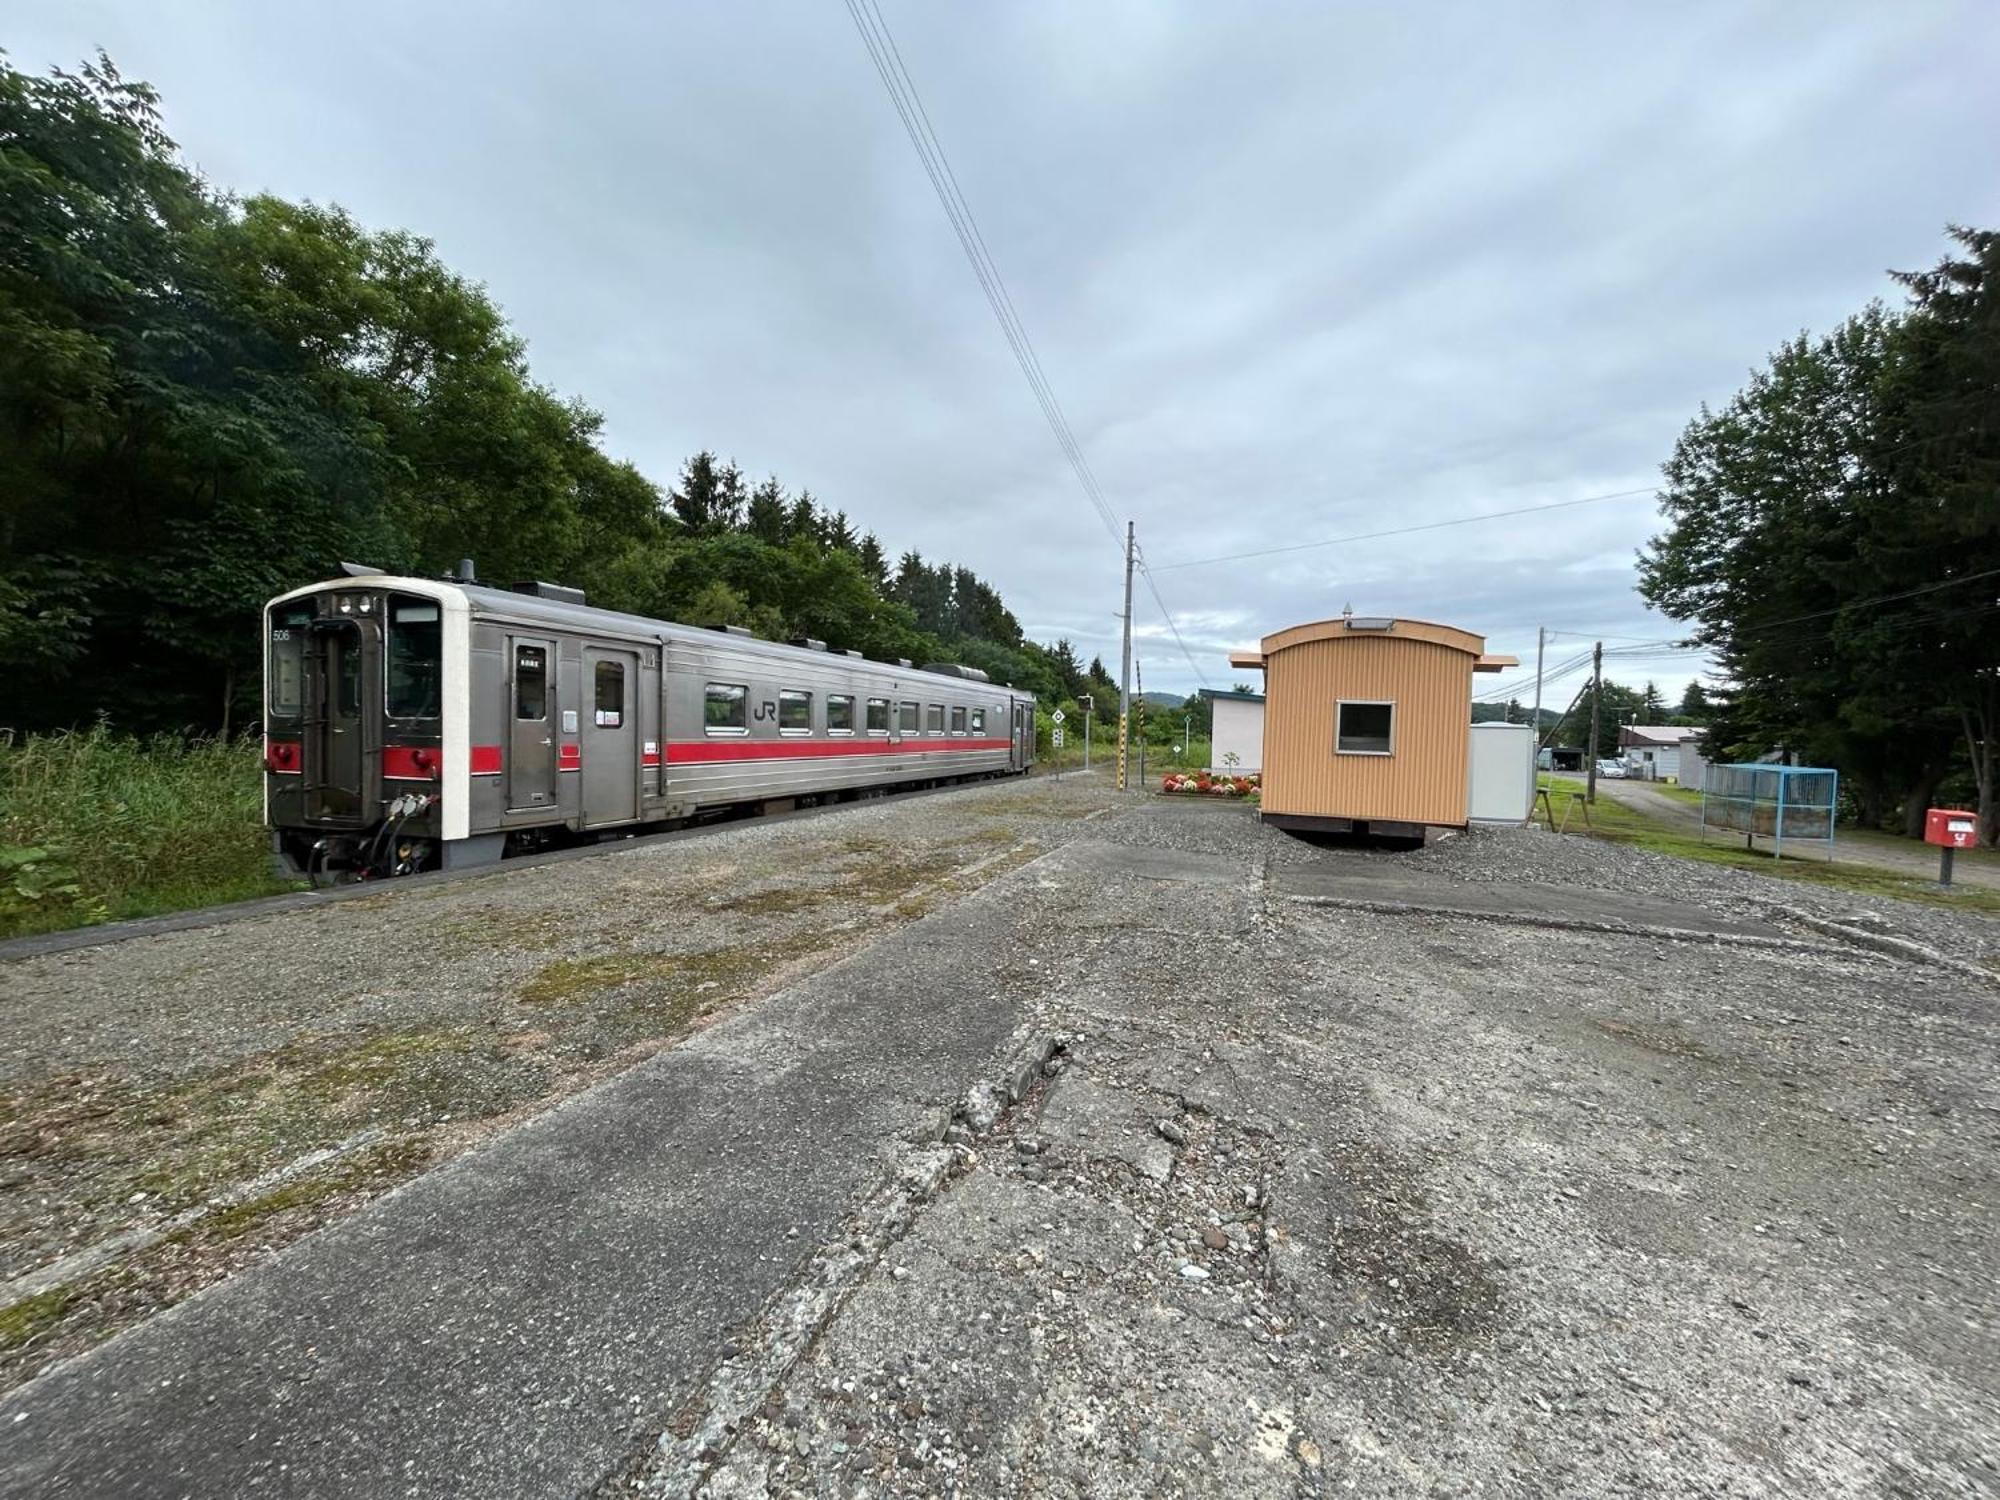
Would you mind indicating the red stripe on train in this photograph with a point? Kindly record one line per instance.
(569, 757)
(412, 762)
(485, 760)
(692, 751)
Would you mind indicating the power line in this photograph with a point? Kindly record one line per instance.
(1370, 536)
(875, 35)
(1818, 614)
(1147, 573)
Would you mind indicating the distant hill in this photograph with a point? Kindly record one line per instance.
(1496, 713)
(1163, 700)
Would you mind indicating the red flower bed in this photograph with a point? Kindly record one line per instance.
(1200, 783)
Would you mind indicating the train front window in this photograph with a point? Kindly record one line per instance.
(289, 625)
(414, 686)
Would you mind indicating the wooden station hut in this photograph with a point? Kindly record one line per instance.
(1366, 724)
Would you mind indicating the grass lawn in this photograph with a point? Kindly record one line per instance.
(1617, 823)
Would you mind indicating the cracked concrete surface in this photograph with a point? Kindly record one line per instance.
(1448, 1207)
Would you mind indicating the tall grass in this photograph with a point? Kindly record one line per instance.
(96, 826)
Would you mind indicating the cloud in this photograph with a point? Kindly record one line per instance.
(1295, 271)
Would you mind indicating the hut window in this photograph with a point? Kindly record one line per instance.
(1364, 728)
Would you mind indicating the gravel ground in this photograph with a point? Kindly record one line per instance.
(193, 1100)
(1506, 856)
(1320, 1201)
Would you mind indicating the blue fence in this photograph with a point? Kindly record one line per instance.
(1773, 802)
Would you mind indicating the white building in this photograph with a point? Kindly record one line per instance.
(1237, 729)
(1656, 748)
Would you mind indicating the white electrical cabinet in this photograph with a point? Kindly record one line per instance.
(1500, 779)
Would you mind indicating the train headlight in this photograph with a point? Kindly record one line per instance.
(346, 605)
(366, 604)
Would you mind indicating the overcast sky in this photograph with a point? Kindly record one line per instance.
(1295, 272)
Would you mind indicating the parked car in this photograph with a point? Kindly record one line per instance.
(1612, 770)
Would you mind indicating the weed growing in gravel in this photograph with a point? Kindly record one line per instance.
(32, 1315)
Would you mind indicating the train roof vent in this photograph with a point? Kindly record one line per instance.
(742, 630)
(559, 593)
(808, 643)
(954, 669)
(903, 661)
(850, 651)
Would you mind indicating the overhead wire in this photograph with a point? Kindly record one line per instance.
(1371, 536)
(1146, 573)
(883, 52)
(880, 42)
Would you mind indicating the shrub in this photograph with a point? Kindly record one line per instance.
(97, 825)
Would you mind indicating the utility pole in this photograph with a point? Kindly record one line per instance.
(1125, 661)
(1535, 760)
(1596, 693)
(1089, 713)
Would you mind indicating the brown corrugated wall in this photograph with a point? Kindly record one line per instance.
(1422, 782)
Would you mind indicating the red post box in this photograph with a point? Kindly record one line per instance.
(1951, 828)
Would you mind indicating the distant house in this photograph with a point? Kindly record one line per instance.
(1237, 728)
(1656, 748)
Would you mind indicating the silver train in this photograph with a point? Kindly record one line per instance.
(413, 724)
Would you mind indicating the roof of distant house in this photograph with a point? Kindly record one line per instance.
(1232, 695)
(1658, 734)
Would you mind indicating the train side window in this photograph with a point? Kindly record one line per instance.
(878, 715)
(979, 721)
(958, 721)
(531, 683)
(726, 708)
(610, 694)
(934, 718)
(839, 713)
(416, 655)
(795, 711)
(907, 717)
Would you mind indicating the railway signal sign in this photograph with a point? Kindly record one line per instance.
(1056, 717)
(1056, 737)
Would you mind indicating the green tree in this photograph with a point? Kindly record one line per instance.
(708, 498)
(767, 518)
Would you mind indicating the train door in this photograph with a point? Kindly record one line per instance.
(610, 737)
(531, 747)
(1018, 756)
(338, 759)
